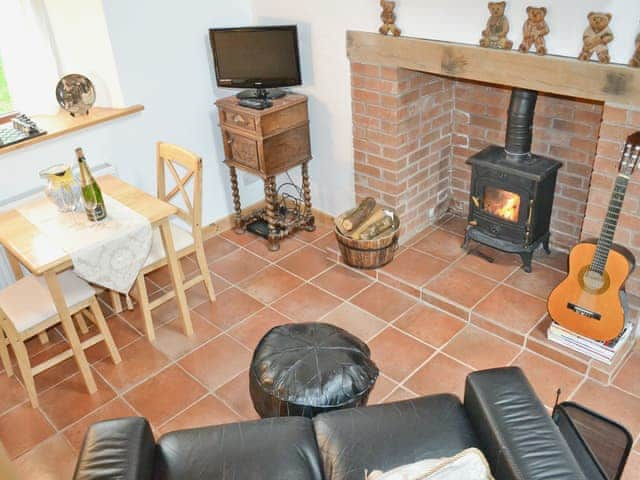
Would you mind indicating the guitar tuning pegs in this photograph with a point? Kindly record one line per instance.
(626, 155)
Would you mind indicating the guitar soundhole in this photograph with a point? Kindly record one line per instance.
(593, 282)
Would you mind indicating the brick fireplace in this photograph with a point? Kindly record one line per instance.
(414, 131)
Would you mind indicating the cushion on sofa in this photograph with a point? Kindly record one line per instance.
(272, 449)
(469, 464)
(383, 437)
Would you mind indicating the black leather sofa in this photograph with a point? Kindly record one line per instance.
(501, 415)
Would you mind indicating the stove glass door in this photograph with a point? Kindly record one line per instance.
(501, 203)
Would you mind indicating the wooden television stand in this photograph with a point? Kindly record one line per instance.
(267, 143)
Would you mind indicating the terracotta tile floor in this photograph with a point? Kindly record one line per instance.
(482, 315)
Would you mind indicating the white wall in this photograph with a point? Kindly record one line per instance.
(325, 75)
(163, 60)
(325, 66)
(82, 45)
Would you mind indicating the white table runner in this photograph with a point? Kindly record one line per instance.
(109, 253)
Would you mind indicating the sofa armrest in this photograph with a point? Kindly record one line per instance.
(123, 448)
(516, 433)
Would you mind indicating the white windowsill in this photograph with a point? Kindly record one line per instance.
(62, 123)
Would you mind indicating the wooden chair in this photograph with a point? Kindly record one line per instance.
(186, 242)
(27, 309)
(7, 470)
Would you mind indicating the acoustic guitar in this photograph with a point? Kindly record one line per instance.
(587, 302)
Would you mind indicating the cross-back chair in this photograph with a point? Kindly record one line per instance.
(28, 310)
(185, 168)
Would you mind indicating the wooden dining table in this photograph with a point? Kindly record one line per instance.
(27, 245)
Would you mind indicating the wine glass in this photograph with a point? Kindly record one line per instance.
(70, 200)
(90, 203)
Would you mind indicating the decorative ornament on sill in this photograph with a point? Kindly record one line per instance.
(597, 37)
(388, 18)
(495, 35)
(75, 94)
(534, 30)
(635, 60)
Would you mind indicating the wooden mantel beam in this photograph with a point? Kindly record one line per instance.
(616, 84)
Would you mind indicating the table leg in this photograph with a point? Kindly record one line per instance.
(235, 191)
(4, 354)
(116, 302)
(103, 328)
(270, 199)
(177, 277)
(306, 189)
(82, 324)
(70, 330)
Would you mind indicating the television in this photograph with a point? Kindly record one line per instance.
(259, 58)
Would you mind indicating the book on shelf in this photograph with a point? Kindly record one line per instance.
(599, 350)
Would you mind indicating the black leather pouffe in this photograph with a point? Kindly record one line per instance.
(308, 368)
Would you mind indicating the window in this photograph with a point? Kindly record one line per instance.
(49, 46)
(28, 66)
(5, 97)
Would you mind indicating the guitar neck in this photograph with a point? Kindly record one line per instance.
(605, 242)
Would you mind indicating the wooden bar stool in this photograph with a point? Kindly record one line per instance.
(171, 159)
(27, 309)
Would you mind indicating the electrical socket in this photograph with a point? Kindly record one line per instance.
(442, 196)
(248, 179)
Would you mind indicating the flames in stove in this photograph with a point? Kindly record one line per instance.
(502, 203)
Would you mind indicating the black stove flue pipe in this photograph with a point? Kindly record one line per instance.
(520, 122)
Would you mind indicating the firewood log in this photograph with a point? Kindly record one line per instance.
(359, 215)
(376, 216)
(376, 229)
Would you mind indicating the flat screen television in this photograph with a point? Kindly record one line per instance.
(258, 58)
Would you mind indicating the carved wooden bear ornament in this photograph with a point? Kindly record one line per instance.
(635, 60)
(388, 18)
(534, 30)
(495, 35)
(597, 37)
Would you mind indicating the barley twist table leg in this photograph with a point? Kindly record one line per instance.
(306, 188)
(270, 199)
(235, 191)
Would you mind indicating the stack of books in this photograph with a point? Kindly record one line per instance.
(601, 351)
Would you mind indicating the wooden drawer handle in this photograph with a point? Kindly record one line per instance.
(239, 119)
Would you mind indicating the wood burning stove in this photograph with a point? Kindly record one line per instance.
(512, 190)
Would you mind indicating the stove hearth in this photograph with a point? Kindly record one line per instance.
(511, 194)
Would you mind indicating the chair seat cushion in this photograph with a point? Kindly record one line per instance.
(28, 301)
(181, 239)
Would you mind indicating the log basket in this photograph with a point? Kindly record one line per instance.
(368, 254)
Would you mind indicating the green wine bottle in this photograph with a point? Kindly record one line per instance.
(91, 193)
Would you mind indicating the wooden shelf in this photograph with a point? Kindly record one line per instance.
(62, 123)
(570, 77)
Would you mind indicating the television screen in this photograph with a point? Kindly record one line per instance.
(256, 57)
